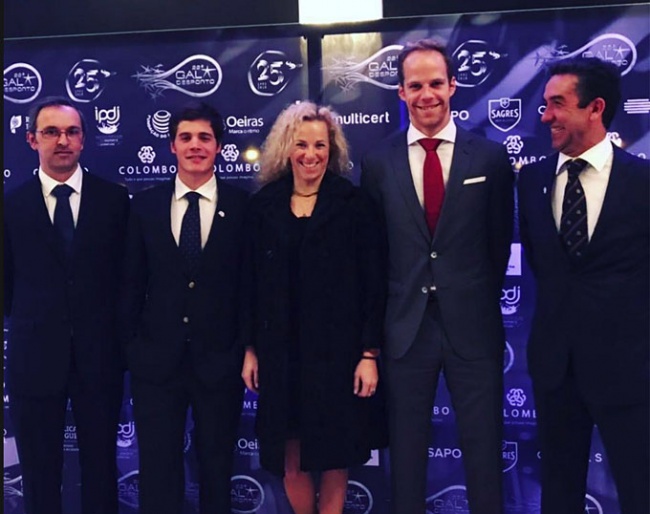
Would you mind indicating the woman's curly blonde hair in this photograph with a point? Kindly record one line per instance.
(274, 161)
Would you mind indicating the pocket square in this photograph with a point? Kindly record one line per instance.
(474, 180)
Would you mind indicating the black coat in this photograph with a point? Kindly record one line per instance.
(341, 299)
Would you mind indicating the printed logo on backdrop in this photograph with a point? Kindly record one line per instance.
(246, 494)
(510, 299)
(474, 62)
(5, 395)
(508, 358)
(515, 412)
(614, 48)
(504, 113)
(70, 438)
(358, 499)
(361, 118)
(13, 481)
(509, 455)
(17, 121)
(440, 412)
(637, 106)
(514, 145)
(592, 506)
(233, 168)
(87, 80)
(380, 70)
(148, 171)
(196, 76)
(444, 453)
(249, 404)
(243, 125)
(128, 489)
(514, 261)
(125, 434)
(271, 72)
(247, 447)
(451, 500)
(108, 123)
(22, 83)
(158, 123)
(373, 461)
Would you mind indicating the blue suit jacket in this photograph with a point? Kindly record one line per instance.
(467, 258)
(596, 312)
(163, 311)
(56, 306)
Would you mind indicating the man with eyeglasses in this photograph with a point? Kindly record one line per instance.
(63, 247)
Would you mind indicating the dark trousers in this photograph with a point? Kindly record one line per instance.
(39, 423)
(160, 412)
(476, 390)
(565, 422)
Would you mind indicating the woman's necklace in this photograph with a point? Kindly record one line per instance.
(304, 195)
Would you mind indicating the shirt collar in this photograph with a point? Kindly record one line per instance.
(48, 183)
(207, 190)
(596, 157)
(448, 133)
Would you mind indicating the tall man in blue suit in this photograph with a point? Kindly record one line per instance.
(180, 317)
(63, 244)
(585, 228)
(447, 199)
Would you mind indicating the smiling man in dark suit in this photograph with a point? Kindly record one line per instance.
(447, 198)
(585, 230)
(63, 245)
(180, 318)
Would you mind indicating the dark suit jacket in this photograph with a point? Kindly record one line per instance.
(594, 313)
(163, 310)
(58, 306)
(467, 258)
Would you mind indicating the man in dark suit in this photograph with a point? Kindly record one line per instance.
(180, 313)
(64, 241)
(588, 346)
(447, 261)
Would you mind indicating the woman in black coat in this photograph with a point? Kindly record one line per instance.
(315, 276)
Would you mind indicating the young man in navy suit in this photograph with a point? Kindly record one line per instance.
(63, 247)
(447, 198)
(589, 340)
(180, 313)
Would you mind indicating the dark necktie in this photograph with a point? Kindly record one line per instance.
(573, 223)
(63, 220)
(433, 184)
(190, 238)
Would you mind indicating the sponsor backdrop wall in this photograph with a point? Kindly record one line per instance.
(127, 85)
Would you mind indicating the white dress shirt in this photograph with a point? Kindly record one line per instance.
(207, 207)
(417, 154)
(594, 179)
(48, 184)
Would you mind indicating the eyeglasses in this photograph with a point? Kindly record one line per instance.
(55, 133)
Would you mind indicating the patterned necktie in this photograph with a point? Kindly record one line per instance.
(433, 184)
(63, 220)
(573, 223)
(190, 239)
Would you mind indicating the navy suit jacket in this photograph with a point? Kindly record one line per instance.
(164, 311)
(467, 258)
(58, 306)
(594, 313)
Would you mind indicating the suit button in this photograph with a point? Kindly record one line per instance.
(425, 290)
(191, 285)
(434, 255)
(186, 319)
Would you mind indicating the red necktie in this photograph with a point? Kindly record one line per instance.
(434, 186)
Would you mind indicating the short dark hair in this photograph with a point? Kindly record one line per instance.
(52, 101)
(426, 45)
(596, 79)
(197, 111)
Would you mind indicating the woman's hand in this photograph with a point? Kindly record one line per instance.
(249, 370)
(366, 378)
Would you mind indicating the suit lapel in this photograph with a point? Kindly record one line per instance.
(402, 172)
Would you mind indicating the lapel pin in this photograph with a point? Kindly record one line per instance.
(221, 214)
